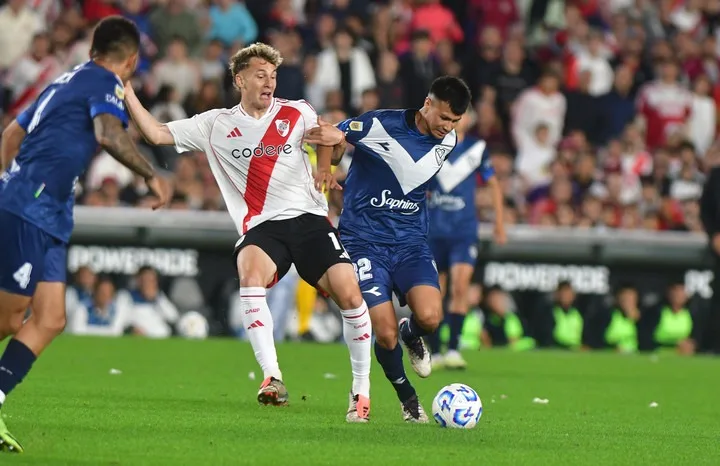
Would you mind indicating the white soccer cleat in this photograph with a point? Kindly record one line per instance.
(413, 411)
(454, 360)
(417, 352)
(358, 409)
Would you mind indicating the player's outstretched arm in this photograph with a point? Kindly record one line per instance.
(153, 131)
(12, 138)
(111, 135)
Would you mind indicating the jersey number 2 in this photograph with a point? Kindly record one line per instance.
(363, 268)
(22, 275)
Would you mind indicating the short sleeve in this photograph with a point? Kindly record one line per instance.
(309, 114)
(193, 134)
(486, 168)
(356, 128)
(26, 116)
(107, 96)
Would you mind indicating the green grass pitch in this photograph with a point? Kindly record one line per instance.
(192, 402)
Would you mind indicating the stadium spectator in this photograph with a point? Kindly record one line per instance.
(173, 19)
(31, 73)
(105, 315)
(541, 104)
(418, 69)
(79, 292)
(177, 70)
(664, 106)
(151, 314)
(231, 23)
(18, 25)
(347, 68)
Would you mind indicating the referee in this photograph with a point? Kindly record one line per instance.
(710, 216)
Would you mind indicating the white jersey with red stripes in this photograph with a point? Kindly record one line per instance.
(259, 164)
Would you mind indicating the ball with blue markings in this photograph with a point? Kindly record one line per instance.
(457, 406)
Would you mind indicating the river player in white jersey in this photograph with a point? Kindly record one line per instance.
(255, 153)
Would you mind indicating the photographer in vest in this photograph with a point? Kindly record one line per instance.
(672, 323)
(561, 324)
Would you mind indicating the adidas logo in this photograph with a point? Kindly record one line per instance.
(235, 133)
(364, 337)
(256, 324)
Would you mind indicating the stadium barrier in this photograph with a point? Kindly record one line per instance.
(198, 245)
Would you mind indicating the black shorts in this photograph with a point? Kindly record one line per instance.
(309, 241)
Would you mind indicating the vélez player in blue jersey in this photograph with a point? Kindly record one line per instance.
(43, 152)
(384, 222)
(453, 231)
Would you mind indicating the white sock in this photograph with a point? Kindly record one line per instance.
(357, 330)
(258, 325)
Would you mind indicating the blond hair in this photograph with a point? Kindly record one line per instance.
(241, 59)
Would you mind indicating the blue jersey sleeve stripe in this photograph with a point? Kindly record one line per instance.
(25, 117)
(344, 125)
(102, 108)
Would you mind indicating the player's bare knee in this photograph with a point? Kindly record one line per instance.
(386, 337)
(349, 296)
(429, 318)
(52, 323)
(253, 280)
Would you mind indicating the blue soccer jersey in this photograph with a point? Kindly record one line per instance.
(451, 203)
(37, 192)
(58, 147)
(384, 222)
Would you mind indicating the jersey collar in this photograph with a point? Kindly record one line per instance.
(267, 112)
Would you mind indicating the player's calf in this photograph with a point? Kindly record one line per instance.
(426, 304)
(12, 313)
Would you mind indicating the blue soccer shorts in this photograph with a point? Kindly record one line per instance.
(449, 251)
(383, 269)
(28, 255)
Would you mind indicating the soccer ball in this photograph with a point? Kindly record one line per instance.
(193, 325)
(457, 406)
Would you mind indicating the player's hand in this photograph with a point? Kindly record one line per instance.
(325, 180)
(500, 235)
(160, 188)
(325, 134)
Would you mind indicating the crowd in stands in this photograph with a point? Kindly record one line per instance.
(599, 113)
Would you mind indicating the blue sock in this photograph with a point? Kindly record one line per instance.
(392, 364)
(434, 338)
(412, 330)
(15, 364)
(455, 321)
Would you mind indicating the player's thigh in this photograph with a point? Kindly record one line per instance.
(372, 272)
(22, 255)
(416, 277)
(322, 261)
(340, 282)
(48, 306)
(48, 302)
(262, 258)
